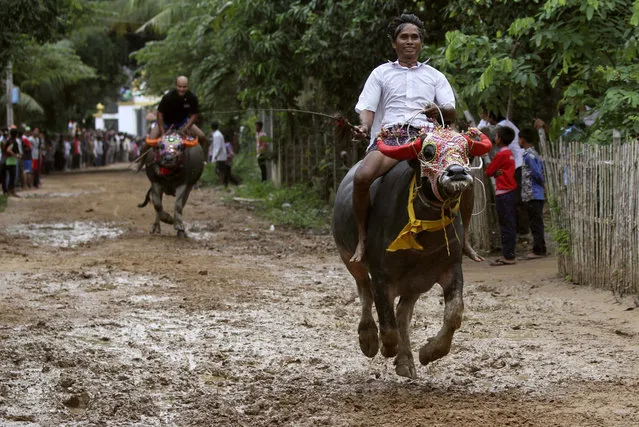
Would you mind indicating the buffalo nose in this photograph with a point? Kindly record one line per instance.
(456, 172)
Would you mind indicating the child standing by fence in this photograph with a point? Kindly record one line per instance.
(503, 169)
(532, 192)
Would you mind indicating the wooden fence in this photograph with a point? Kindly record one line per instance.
(304, 150)
(592, 191)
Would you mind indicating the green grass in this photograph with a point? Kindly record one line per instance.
(3, 202)
(297, 206)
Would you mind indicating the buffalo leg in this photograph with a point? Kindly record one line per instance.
(388, 333)
(404, 363)
(182, 195)
(367, 329)
(160, 213)
(438, 346)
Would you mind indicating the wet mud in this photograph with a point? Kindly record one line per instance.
(103, 324)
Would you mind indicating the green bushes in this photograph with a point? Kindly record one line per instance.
(298, 206)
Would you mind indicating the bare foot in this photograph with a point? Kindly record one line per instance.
(358, 256)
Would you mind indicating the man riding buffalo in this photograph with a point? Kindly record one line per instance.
(407, 93)
(178, 110)
(401, 233)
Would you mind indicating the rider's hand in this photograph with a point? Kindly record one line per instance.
(431, 111)
(360, 132)
(499, 172)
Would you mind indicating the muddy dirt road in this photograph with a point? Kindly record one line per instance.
(104, 324)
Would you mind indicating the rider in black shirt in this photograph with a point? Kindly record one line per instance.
(178, 109)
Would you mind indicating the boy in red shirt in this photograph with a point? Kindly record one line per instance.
(503, 169)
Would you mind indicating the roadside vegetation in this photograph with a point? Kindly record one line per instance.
(299, 206)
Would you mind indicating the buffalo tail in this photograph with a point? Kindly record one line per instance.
(146, 199)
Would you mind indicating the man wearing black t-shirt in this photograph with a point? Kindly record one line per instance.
(178, 109)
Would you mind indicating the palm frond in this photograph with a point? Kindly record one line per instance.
(26, 103)
(51, 64)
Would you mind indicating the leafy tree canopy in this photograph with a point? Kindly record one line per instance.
(518, 58)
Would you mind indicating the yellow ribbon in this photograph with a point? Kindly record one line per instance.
(406, 237)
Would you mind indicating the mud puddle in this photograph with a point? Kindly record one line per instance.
(56, 195)
(66, 235)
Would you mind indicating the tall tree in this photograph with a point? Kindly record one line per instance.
(549, 58)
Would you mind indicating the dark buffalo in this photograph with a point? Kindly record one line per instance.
(173, 166)
(405, 261)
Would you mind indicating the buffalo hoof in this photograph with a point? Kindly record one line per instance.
(155, 229)
(389, 343)
(431, 351)
(368, 340)
(405, 366)
(181, 234)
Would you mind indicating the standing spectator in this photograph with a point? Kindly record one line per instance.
(27, 159)
(11, 154)
(4, 136)
(230, 154)
(503, 168)
(98, 151)
(36, 154)
(523, 226)
(532, 191)
(261, 148)
(67, 152)
(108, 154)
(77, 152)
(49, 155)
(23, 140)
(217, 154)
(484, 119)
(90, 155)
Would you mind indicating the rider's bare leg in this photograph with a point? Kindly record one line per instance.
(374, 165)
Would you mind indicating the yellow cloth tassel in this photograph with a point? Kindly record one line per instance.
(406, 237)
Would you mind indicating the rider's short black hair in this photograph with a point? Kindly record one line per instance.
(398, 23)
(215, 125)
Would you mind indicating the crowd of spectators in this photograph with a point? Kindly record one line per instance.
(28, 154)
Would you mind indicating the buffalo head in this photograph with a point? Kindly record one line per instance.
(169, 149)
(443, 156)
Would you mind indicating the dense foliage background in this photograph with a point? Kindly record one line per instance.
(520, 58)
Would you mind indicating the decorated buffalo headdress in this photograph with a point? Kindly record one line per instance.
(435, 149)
(169, 149)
